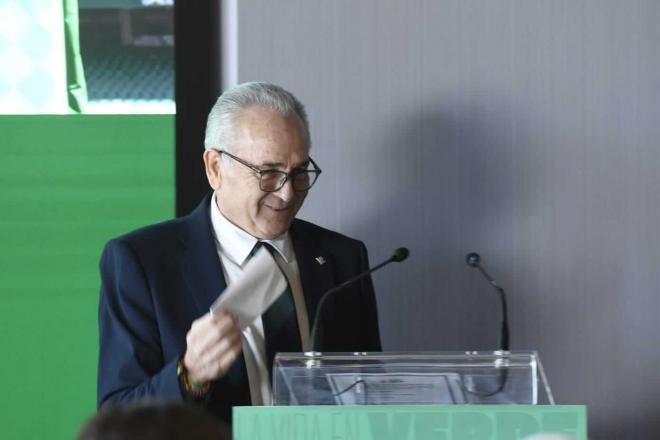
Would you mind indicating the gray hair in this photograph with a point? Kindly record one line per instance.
(220, 123)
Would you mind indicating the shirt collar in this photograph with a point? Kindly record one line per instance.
(237, 244)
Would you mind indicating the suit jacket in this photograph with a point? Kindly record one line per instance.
(155, 281)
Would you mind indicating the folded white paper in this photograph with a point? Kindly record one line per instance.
(260, 285)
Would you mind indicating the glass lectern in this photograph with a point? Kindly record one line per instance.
(423, 378)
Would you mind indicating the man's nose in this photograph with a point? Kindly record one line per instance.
(286, 193)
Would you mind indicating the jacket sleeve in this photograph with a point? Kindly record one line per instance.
(131, 364)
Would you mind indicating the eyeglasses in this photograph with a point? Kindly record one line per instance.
(271, 180)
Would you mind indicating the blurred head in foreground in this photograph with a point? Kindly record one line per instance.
(152, 420)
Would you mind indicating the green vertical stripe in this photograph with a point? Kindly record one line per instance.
(75, 74)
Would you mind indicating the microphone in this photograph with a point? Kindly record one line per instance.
(473, 259)
(398, 256)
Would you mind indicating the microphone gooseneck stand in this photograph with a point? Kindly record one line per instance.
(398, 255)
(473, 259)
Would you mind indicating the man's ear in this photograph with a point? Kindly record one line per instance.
(213, 168)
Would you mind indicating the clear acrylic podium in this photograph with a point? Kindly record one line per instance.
(421, 378)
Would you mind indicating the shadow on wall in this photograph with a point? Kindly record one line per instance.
(444, 185)
(448, 179)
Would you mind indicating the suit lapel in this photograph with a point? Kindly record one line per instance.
(199, 261)
(316, 266)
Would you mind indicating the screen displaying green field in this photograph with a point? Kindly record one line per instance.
(67, 185)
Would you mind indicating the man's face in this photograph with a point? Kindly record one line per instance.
(267, 140)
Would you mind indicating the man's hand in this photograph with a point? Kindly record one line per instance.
(214, 342)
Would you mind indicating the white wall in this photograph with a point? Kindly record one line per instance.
(526, 130)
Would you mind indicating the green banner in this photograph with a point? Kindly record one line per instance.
(409, 422)
(68, 184)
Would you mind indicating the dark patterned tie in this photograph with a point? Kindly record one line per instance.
(280, 321)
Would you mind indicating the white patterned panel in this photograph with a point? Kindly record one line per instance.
(32, 57)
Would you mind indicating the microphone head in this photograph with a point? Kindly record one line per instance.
(473, 259)
(400, 254)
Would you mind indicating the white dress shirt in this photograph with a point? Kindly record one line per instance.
(234, 246)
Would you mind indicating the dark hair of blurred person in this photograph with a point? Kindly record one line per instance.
(153, 420)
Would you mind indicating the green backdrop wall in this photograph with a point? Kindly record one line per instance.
(67, 185)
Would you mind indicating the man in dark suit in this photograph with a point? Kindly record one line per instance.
(157, 337)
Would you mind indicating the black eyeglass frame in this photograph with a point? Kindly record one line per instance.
(316, 172)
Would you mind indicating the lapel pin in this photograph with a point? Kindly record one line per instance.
(320, 260)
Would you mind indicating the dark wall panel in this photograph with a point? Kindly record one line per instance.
(197, 86)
